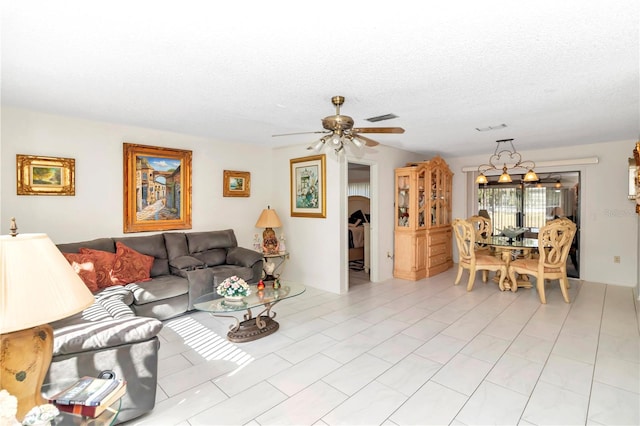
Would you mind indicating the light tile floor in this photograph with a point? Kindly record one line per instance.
(409, 353)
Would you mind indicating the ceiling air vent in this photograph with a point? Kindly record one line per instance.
(381, 118)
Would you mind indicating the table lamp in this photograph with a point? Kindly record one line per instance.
(269, 219)
(37, 286)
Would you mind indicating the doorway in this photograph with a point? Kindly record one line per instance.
(359, 223)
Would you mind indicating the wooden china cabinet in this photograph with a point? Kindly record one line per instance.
(423, 234)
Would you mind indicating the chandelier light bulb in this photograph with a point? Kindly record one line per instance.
(504, 177)
(531, 176)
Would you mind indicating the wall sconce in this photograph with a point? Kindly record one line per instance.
(496, 158)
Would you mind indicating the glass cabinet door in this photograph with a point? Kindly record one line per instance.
(402, 198)
(421, 177)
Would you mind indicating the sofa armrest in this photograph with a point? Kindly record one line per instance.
(241, 256)
(103, 334)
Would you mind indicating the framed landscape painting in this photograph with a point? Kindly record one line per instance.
(236, 184)
(45, 175)
(308, 191)
(157, 188)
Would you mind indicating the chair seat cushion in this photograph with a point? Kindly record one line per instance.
(483, 259)
(531, 265)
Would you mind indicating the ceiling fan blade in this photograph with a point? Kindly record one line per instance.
(367, 141)
(300, 133)
(378, 130)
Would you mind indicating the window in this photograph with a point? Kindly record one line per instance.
(530, 205)
(358, 188)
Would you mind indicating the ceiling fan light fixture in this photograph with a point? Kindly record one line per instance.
(357, 142)
(317, 145)
(340, 131)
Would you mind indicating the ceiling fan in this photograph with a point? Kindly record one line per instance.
(339, 131)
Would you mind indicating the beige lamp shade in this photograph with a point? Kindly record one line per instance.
(37, 283)
(268, 219)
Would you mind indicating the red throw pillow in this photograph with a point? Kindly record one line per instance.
(84, 266)
(130, 266)
(103, 264)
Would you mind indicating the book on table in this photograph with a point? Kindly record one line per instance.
(89, 396)
(94, 410)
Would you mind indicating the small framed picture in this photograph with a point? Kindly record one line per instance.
(236, 184)
(45, 175)
(308, 192)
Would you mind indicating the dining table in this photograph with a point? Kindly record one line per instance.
(510, 249)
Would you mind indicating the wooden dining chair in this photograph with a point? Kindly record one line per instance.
(483, 231)
(554, 242)
(469, 259)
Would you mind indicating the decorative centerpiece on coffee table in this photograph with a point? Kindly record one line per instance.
(233, 289)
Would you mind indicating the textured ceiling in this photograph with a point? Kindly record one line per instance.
(556, 72)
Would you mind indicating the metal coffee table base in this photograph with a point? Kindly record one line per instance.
(252, 329)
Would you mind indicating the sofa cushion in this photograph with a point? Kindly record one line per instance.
(158, 288)
(186, 263)
(176, 243)
(104, 334)
(130, 266)
(83, 264)
(111, 302)
(203, 241)
(212, 257)
(103, 263)
(151, 245)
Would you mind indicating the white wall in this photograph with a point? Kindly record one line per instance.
(318, 247)
(609, 225)
(96, 209)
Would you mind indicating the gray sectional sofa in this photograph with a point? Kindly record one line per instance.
(119, 331)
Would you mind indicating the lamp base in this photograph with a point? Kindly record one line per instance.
(25, 356)
(269, 241)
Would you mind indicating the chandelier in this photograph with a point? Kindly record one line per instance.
(497, 158)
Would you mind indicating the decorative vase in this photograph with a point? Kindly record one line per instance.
(234, 300)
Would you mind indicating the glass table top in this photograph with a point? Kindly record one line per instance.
(212, 302)
(499, 241)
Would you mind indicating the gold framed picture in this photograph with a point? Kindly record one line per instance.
(308, 190)
(157, 188)
(45, 175)
(236, 184)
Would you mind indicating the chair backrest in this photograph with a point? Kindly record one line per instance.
(465, 239)
(554, 242)
(482, 228)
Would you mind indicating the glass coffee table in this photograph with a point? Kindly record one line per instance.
(252, 328)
